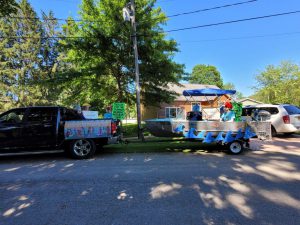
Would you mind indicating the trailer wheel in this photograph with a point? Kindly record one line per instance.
(82, 148)
(235, 147)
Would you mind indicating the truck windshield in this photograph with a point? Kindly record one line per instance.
(13, 116)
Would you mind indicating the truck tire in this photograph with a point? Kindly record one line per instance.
(82, 148)
(235, 147)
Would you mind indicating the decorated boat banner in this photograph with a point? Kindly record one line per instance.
(87, 129)
(208, 129)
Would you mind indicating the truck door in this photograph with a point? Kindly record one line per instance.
(11, 124)
(40, 129)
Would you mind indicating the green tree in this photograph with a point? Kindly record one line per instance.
(279, 84)
(19, 56)
(49, 58)
(8, 7)
(231, 86)
(26, 59)
(206, 74)
(100, 64)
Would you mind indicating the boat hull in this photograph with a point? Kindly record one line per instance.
(179, 128)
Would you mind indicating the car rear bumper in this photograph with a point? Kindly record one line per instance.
(288, 128)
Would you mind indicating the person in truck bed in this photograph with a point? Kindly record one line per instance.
(108, 114)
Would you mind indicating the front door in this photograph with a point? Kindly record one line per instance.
(40, 127)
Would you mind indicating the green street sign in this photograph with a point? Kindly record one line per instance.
(119, 110)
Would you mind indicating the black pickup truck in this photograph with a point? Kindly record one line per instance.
(53, 128)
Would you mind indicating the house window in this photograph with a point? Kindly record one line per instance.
(174, 112)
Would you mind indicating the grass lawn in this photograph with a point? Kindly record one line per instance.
(154, 144)
(130, 130)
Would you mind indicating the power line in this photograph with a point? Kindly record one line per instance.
(169, 31)
(46, 19)
(245, 37)
(64, 1)
(204, 40)
(213, 8)
(232, 21)
(97, 21)
(162, 1)
(50, 37)
(167, 1)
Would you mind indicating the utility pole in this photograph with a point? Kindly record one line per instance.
(137, 72)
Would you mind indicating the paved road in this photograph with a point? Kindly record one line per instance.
(258, 187)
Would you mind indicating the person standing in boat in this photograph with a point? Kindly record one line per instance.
(222, 107)
(228, 115)
(196, 113)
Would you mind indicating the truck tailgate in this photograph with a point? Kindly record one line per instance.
(82, 129)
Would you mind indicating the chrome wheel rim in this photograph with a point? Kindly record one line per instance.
(235, 147)
(82, 147)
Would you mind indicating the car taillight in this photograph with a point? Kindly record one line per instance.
(286, 119)
(113, 127)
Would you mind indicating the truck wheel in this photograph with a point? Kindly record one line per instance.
(82, 148)
(235, 147)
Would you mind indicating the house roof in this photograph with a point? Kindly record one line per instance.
(179, 90)
(249, 99)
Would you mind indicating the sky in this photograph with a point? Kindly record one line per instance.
(240, 51)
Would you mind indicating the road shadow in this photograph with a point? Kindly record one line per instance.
(259, 187)
(29, 156)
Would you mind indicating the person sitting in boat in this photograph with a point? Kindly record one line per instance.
(196, 108)
(228, 115)
(196, 114)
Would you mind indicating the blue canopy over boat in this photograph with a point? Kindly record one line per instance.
(208, 92)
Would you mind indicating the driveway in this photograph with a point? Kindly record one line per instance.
(258, 187)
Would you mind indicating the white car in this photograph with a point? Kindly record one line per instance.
(284, 118)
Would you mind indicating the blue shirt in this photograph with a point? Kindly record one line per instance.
(107, 115)
(227, 116)
(222, 110)
(196, 108)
